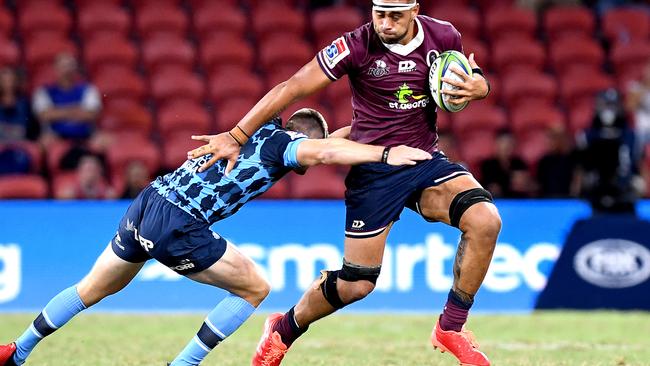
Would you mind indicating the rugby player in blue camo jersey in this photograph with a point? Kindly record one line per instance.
(170, 221)
(387, 62)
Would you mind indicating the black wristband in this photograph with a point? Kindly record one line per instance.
(477, 70)
(384, 155)
(234, 138)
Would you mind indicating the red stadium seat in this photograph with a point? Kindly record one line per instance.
(580, 117)
(175, 149)
(630, 57)
(104, 50)
(623, 24)
(226, 51)
(509, 54)
(233, 112)
(280, 190)
(520, 87)
(166, 86)
(6, 23)
(535, 116)
(338, 92)
(532, 147)
(165, 50)
(274, 52)
(478, 116)
(215, 17)
(129, 117)
(476, 147)
(120, 154)
(479, 49)
(9, 53)
(42, 50)
(235, 85)
(582, 85)
(342, 116)
(22, 187)
(465, 19)
(571, 53)
(318, 182)
(336, 19)
(160, 19)
(45, 18)
(100, 18)
(505, 21)
(120, 83)
(55, 153)
(562, 21)
(183, 115)
(270, 19)
(83, 4)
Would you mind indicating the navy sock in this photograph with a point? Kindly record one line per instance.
(455, 313)
(288, 329)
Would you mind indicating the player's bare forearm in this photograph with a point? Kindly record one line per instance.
(346, 152)
(343, 132)
(308, 80)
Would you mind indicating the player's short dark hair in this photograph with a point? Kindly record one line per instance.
(308, 121)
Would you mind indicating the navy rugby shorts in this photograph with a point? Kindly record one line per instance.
(155, 228)
(377, 193)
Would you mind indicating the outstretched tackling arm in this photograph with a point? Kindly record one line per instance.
(308, 80)
(341, 151)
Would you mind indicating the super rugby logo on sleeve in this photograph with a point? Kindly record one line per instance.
(336, 52)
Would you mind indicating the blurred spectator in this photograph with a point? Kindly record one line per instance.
(90, 181)
(137, 177)
(609, 164)
(638, 104)
(68, 108)
(555, 170)
(15, 113)
(506, 175)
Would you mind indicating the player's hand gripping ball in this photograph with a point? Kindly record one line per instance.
(440, 68)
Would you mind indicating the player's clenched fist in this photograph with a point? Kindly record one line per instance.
(221, 146)
(404, 155)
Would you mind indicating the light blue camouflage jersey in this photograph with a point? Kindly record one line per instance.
(212, 196)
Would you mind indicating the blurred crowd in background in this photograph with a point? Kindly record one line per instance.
(97, 97)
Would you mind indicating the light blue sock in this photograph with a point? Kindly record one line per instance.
(221, 322)
(56, 313)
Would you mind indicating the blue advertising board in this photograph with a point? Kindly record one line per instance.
(46, 246)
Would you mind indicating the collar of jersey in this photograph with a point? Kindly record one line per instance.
(405, 49)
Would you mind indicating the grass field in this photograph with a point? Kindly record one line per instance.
(554, 338)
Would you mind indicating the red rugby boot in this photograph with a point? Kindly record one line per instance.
(270, 350)
(7, 354)
(460, 344)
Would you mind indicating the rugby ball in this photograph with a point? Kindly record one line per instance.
(440, 68)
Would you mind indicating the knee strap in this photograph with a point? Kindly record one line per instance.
(328, 287)
(465, 200)
(351, 273)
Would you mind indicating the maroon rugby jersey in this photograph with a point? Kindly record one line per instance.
(390, 93)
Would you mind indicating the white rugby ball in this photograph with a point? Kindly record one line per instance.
(440, 68)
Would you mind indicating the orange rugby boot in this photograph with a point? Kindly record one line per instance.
(460, 344)
(7, 354)
(270, 351)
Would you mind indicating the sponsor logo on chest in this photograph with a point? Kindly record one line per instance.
(406, 66)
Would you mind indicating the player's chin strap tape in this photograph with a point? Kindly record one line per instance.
(350, 272)
(465, 200)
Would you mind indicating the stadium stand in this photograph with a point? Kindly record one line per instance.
(168, 68)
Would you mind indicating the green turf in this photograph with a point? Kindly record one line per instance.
(555, 338)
